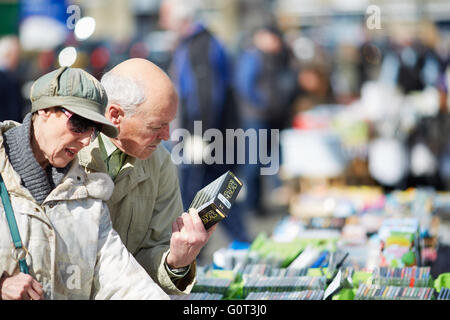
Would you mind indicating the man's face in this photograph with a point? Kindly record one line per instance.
(141, 133)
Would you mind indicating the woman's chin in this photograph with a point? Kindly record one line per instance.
(61, 162)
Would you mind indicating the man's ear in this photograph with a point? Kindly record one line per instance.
(115, 114)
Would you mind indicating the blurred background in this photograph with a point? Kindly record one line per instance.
(357, 88)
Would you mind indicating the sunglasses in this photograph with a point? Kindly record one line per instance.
(80, 125)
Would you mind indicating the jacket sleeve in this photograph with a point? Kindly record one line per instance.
(152, 255)
(117, 274)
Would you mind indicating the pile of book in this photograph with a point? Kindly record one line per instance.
(409, 283)
(281, 284)
(310, 260)
(296, 295)
(403, 277)
(379, 292)
(197, 296)
(444, 294)
(268, 270)
(212, 285)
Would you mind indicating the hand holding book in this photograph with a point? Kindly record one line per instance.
(191, 231)
(188, 237)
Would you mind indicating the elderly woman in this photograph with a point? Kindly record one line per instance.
(56, 239)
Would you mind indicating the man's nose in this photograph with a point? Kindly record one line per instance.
(165, 133)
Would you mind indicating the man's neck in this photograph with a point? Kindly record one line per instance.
(117, 143)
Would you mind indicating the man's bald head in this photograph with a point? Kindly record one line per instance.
(136, 80)
(142, 101)
(141, 70)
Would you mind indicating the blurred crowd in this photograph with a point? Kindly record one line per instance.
(268, 76)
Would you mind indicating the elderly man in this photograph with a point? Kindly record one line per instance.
(146, 203)
(53, 214)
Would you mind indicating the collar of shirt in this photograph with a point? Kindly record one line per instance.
(106, 146)
(112, 156)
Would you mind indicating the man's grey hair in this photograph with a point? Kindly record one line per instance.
(123, 91)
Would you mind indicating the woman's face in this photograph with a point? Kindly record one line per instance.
(54, 141)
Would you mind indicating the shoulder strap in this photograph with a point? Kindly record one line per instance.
(15, 235)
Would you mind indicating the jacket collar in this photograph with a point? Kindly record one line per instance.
(77, 185)
(91, 158)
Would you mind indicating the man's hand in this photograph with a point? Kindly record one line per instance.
(21, 287)
(188, 238)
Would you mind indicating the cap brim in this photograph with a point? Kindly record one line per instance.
(106, 126)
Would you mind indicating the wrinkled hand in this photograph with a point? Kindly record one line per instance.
(21, 287)
(188, 238)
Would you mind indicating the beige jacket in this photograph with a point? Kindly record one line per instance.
(73, 250)
(145, 202)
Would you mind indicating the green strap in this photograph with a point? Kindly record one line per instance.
(15, 235)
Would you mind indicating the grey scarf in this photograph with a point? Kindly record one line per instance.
(38, 181)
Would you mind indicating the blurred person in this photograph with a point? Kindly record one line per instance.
(369, 61)
(13, 103)
(265, 84)
(313, 88)
(146, 203)
(429, 146)
(58, 221)
(345, 74)
(411, 65)
(201, 72)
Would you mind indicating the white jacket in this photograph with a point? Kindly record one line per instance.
(73, 250)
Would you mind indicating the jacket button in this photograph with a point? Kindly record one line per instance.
(51, 205)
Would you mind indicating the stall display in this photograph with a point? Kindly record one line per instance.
(375, 253)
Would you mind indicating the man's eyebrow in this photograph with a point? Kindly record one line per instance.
(156, 124)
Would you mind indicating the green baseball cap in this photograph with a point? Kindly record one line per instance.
(75, 90)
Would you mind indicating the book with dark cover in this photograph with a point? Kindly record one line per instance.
(214, 201)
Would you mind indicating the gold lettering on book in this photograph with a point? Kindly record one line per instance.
(209, 216)
(229, 191)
